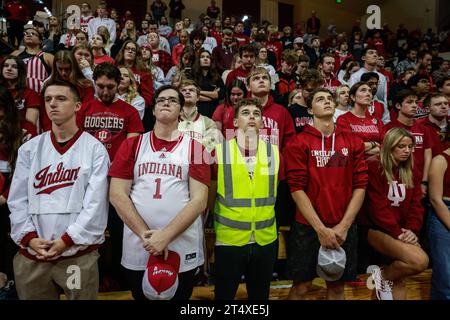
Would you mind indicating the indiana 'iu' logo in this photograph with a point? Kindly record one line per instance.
(396, 193)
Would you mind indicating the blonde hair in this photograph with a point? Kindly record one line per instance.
(293, 94)
(405, 168)
(132, 88)
(255, 71)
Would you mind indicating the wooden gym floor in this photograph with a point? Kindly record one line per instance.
(418, 289)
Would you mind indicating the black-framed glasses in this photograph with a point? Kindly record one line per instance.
(130, 49)
(171, 100)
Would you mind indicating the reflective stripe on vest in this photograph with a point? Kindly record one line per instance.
(243, 225)
(229, 201)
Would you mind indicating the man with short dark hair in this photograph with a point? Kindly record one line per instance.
(420, 84)
(248, 55)
(223, 54)
(247, 172)
(443, 86)
(110, 120)
(326, 68)
(406, 105)
(409, 62)
(370, 58)
(58, 202)
(288, 79)
(436, 122)
(239, 35)
(322, 159)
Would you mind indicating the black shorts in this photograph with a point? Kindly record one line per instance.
(303, 249)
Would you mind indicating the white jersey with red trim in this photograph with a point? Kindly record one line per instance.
(160, 190)
(58, 189)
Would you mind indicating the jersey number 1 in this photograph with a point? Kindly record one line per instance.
(157, 194)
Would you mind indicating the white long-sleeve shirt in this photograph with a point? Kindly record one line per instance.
(57, 190)
(107, 22)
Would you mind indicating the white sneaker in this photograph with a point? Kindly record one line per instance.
(383, 287)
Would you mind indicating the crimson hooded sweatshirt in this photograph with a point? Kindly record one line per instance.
(391, 206)
(328, 169)
(278, 126)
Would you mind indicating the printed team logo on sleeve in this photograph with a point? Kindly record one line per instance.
(49, 181)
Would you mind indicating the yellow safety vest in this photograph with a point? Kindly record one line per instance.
(245, 205)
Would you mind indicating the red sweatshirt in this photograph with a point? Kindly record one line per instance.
(436, 138)
(391, 206)
(278, 126)
(367, 129)
(145, 85)
(422, 141)
(328, 174)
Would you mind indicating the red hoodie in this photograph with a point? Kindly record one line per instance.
(390, 207)
(327, 179)
(278, 126)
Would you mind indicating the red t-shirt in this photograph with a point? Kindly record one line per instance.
(239, 73)
(104, 58)
(368, 128)
(435, 136)
(30, 99)
(224, 114)
(109, 124)
(123, 164)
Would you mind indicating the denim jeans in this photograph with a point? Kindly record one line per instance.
(439, 237)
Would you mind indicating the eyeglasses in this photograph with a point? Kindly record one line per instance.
(130, 49)
(171, 100)
(31, 34)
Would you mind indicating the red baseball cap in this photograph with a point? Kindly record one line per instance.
(160, 281)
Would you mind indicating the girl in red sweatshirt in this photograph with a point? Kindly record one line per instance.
(393, 214)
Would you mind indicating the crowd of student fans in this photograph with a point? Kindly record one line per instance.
(398, 71)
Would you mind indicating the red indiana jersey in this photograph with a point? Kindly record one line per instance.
(327, 169)
(109, 124)
(391, 206)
